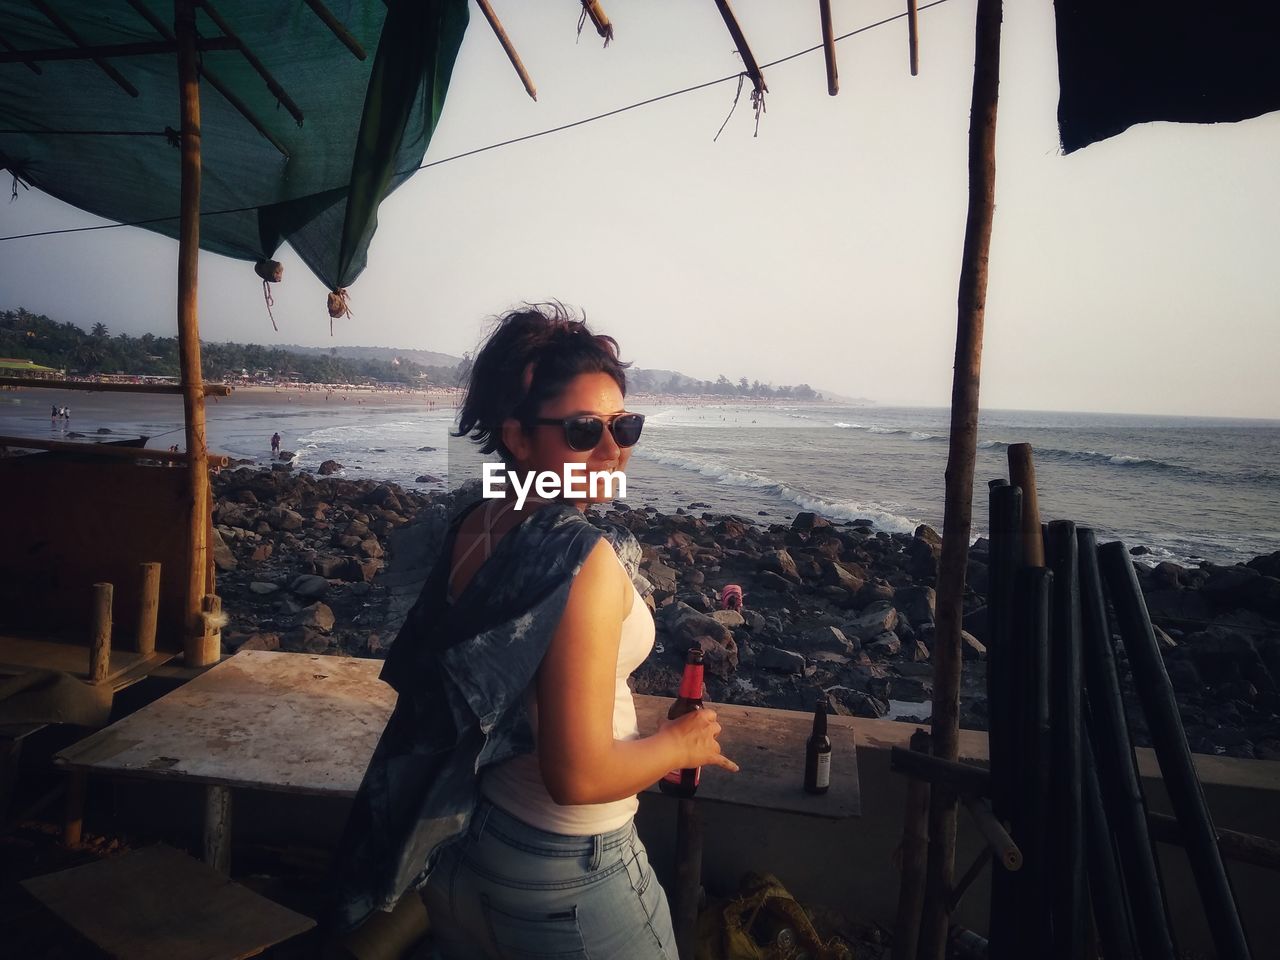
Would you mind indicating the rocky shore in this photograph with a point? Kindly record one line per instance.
(322, 563)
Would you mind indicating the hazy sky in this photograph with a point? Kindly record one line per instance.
(1136, 275)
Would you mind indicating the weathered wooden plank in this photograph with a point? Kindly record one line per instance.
(769, 747)
(160, 904)
(295, 723)
(20, 654)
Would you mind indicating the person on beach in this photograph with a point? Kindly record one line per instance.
(275, 444)
(505, 784)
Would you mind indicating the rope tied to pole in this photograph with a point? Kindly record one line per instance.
(271, 271)
(757, 102)
(599, 20)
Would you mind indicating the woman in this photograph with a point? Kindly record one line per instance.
(524, 808)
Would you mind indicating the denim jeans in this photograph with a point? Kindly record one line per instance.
(509, 891)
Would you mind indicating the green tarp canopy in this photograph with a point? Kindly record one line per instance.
(311, 113)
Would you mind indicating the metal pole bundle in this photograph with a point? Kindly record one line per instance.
(1170, 743)
(1117, 769)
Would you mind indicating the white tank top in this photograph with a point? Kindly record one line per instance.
(516, 784)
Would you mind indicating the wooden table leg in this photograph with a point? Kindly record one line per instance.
(73, 822)
(688, 877)
(217, 827)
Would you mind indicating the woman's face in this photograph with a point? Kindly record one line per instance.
(543, 446)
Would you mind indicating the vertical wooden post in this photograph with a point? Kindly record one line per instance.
(211, 620)
(148, 609)
(100, 648)
(73, 820)
(915, 855)
(963, 444)
(217, 827)
(184, 27)
(1022, 473)
(688, 876)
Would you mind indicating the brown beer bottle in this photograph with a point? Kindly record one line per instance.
(684, 783)
(817, 753)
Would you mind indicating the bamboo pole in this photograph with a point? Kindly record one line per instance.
(829, 47)
(751, 67)
(963, 444)
(100, 644)
(1244, 847)
(915, 856)
(508, 47)
(189, 334)
(1022, 473)
(1112, 910)
(148, 608)
(1002, 847)
(913, 36)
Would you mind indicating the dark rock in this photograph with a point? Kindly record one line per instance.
(780, 562)
(971, 648)
(309, 586)
(874, 591)
(919, 604)
(875, 620)
(784, 661)
(329, 467)
(282, 518)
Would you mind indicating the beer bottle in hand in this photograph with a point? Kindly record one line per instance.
(683, 783)
(817, 753)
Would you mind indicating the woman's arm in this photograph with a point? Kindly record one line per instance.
(580, 760)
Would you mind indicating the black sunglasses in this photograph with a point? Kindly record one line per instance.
(583, 432)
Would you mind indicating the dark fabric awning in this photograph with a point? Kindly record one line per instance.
(311, 113)
(1192, 61)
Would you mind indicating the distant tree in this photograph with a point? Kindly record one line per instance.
(99, 331)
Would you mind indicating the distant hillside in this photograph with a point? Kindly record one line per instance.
(423, 358)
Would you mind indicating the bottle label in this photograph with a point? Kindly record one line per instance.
(823, 774)
(677, 777)
(691, 682)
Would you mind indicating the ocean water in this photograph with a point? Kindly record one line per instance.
(1186, 488)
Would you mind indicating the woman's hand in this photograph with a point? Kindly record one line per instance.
(695, 736)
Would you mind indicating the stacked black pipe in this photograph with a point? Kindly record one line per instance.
(1063, 771)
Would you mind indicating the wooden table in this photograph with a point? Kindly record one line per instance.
(288, 722)
(769, 746)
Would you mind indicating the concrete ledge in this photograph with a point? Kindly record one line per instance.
(849, 865)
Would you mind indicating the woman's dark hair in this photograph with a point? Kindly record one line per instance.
(529, 357)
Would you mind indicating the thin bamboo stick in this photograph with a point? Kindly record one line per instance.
(56, 19)
(1111, 905)
(336, 28)
(107, 386)
(829, 47)
(957, 519)
(106, 51)
(1002, 847)
(750, 66)
(189, 331)
(508, 47)
(1243, 847)
(21, 57)
(272, 84)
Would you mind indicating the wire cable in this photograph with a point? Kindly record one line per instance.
(502, 143)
